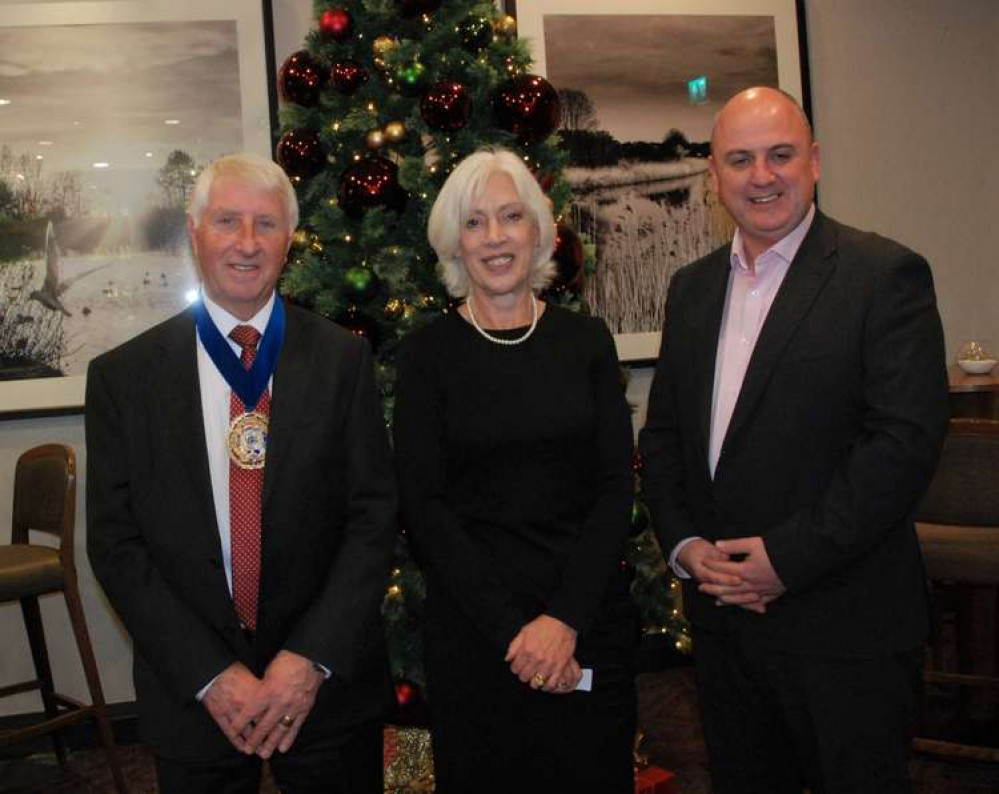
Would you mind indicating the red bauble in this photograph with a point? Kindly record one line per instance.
(405, 693)
(336, 24)
(527, 106)
(446, 106)
(413, 8)
(373, 182)
(300, 153)
(348, 76)
(300, 79)
(568, 258)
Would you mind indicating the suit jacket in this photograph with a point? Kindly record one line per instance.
(834, 437)
(328, 511)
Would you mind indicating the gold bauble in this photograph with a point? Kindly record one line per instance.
(394, 308)
(395, 131)
(375, 139)
(506, 26)
(316, 246)
(383, 45)
(300, 238)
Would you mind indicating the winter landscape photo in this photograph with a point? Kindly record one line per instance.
(639, 95)
(103, 129)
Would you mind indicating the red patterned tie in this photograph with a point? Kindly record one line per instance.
(246, 486)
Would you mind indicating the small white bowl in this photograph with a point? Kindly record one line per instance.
(977, 366)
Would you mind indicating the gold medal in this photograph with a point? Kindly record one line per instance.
(248, 440)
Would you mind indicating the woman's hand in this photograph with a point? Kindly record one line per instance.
(542, 655)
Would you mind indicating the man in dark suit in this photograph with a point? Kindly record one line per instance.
(795, 418)
(245, 541)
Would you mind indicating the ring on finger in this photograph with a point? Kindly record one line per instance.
(537, 681)
(287, 721)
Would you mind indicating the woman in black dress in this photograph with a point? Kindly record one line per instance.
(513, 443)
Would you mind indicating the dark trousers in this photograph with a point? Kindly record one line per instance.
(775, 722)
(347, 765)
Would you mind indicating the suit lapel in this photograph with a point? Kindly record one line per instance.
(290, 398)
(179, 394)
(705, 349)
(811, 268)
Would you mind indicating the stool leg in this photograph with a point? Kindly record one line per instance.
(40, 657)
(78, 621)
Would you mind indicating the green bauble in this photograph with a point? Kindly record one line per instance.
(360, 283)
(411, 77)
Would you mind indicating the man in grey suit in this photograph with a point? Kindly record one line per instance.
(795, 418)
(240, 505)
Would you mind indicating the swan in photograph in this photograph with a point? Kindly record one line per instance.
(53, 287)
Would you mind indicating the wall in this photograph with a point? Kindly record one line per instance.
(904, 96)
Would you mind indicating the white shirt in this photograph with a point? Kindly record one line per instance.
(215, 396)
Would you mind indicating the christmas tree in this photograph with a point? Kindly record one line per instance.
(386, 97)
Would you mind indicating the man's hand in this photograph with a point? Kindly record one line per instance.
(694, 558)
(226, 698)
(289, 689)
(751, 583)
(541, 652)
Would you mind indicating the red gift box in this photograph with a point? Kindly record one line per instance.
(654, 780)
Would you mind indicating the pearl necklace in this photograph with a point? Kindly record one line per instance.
(496, 340)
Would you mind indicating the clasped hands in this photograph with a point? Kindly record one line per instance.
(542, 655)
(736, 572)
(252, 711)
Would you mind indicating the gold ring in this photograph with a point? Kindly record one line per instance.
(537, 681)
(287, 721)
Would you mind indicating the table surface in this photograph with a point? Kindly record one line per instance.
(960, 381)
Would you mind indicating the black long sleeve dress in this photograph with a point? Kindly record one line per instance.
(515, 473)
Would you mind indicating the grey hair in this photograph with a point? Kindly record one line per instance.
(451, 209)
(250, 168)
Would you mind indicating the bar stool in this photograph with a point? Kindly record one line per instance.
(45, 501)
(958, 527)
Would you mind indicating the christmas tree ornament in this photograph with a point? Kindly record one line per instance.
(411, 77)
(569, 260)
(375, 139)
(394, 308)
(505, 26)
(300, 153)
(300, 79)
(639, 518)
(382, 47)
(446, 107)
(316, 245)
(336, 24)
(359, 283)
(475, 33)
(371, 182)
(300, 238)
(395, 131)
(409, 9)
(527, 106)
(347, 76)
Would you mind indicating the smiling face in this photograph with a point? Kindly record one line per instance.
(764, 166)
(498, 240)
(240, 244)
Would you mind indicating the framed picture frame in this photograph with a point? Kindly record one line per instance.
(644, 80)
(107, 111)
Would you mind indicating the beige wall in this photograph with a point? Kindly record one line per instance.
(904, 93)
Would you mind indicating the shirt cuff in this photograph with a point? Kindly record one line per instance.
(204, 690)
(678, 569)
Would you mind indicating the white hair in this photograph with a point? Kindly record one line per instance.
(250, 168)
(451, 210)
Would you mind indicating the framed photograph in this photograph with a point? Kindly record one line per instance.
(640, 83)
(108, 110)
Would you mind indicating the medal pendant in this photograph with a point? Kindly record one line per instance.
(248, 440)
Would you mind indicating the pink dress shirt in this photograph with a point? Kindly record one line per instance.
(752, 288)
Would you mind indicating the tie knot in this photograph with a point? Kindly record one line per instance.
(246, 336)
